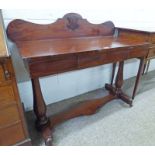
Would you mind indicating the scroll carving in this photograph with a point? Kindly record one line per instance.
(72, 23)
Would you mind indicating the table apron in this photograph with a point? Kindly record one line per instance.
(53, 65)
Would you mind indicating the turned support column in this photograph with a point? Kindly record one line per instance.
(148, 65)
(139, 74)
(113, 72)
(145, 64)
(119, 77)
(42, 122)
(117, 89)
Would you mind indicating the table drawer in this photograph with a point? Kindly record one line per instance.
(151, 53)
(101, 57)
(9, 116)
(49, 65)
(91, 59)
(6, 95)
(11, 135)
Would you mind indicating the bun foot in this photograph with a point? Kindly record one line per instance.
(47, 135)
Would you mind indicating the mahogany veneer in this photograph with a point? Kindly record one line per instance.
(146, 36)
(72, 43)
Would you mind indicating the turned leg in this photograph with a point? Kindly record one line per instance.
(148, 65)
(119, 77)
(42, 122)
(113, 72)
(117, 90)
(140, 71)
(144, 68)
(119, 84)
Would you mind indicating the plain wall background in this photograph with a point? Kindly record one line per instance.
(66, 85)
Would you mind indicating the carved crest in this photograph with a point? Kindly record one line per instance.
(72, 23)
(72, 20)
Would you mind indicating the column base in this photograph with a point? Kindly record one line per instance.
(119, 94)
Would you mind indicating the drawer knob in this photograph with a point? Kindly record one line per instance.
(7, 74)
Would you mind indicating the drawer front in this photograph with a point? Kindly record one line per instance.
(153, 38)
(6, 95)
(109, 56)
(101, 57)
(49, 66)
(11, 135)
(91, 59)
(2, 78)
(9, 116)
(151, 53)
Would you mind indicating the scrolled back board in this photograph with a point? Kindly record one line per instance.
(71, 25)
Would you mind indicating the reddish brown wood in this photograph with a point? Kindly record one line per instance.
(119, 77)
(85, 108)
(145, 65)
(51, 47)
(117, 91)
(140, 71)
(113, 72)
(39, 105)
(47, 135)
(72, 43)
(74, 53)
(148, 36)
(70, 25)
(143, 36)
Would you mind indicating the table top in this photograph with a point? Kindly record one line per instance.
(143, 30)
(70, 34)
(51, 47)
